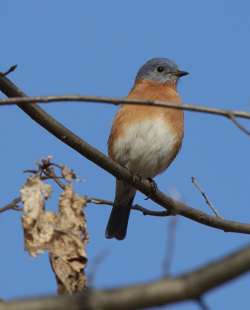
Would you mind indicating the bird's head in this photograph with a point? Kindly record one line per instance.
(160, 70)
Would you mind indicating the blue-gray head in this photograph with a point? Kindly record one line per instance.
(160, 70)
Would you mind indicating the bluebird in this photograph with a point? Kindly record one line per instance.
(145, 139)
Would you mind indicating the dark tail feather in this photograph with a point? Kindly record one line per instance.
(118, 220)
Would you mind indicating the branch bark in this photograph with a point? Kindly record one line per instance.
(94, 155)
(188, 286)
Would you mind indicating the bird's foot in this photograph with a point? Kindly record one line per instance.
(153, 185)
(137, 178)
(154, 188)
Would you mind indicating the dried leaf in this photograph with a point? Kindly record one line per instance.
(63, 235)
(38, 225)
(67, 253)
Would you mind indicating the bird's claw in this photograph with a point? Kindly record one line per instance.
(153, 185)
(154, 188)
(137, 178)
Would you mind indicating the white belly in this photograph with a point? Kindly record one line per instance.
(146, 148)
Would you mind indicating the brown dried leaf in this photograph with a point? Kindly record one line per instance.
(38, 225)
(67, 253)
(63, 235)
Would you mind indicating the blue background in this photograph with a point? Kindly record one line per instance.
(95, 48)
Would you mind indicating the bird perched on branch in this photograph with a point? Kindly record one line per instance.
(145, 139)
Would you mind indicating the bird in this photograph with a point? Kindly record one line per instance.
(145, 139)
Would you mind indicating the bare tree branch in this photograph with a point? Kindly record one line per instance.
(188, 286)
(117, 101)
(94, 155)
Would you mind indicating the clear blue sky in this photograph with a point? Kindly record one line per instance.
(95, 48)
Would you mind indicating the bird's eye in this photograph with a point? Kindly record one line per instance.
(160, 69)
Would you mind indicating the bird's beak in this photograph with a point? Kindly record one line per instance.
(181, 73)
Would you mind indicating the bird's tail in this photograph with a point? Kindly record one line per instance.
(118, 220)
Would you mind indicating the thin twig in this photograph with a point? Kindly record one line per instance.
(170, 246)
(51, 174)
(7, 72)
(13, 205)
(46, 172)
(204, 195)
(98, 201)
(238, 125)
(145, 211)
(95, 264)
(151, 212)
(47, 169)
(26, 100)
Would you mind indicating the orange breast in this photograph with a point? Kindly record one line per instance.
(129, 114)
